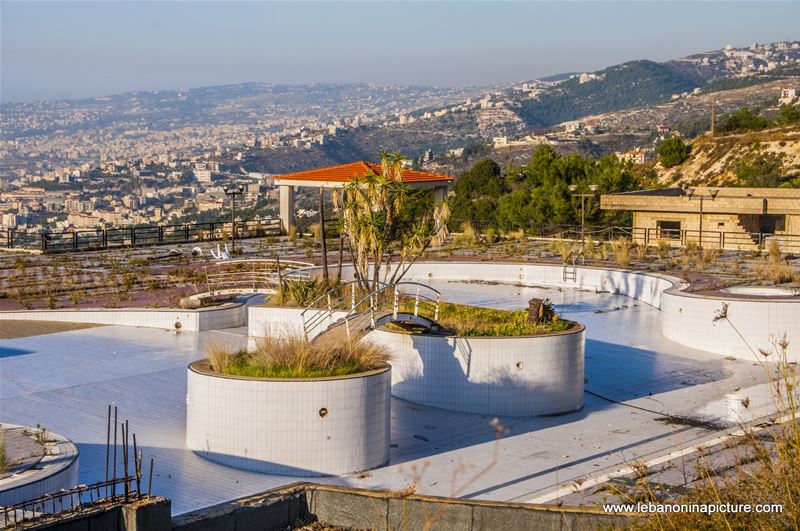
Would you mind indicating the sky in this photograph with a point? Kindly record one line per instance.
(64, 50)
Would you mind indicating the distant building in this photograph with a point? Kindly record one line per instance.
(203, 176)
(788, 95)
(732, 218)
(637, 157)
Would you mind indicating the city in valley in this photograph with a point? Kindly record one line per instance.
(335, 266)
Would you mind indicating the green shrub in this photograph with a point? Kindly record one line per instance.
(672, 151)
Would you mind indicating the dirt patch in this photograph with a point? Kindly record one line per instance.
(11, 329)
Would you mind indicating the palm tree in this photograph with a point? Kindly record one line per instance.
(371, 209)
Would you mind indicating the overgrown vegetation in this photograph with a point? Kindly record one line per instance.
(294, 357)
(474, 321)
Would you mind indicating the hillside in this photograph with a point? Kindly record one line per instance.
(631, 84)
(715, 161)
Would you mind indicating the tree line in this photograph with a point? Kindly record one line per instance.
(538, 193)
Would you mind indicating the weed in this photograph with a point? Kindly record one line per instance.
(621, 247)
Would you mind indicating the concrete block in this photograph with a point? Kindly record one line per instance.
(266, 516)
(488, 517)
(106, 521)
(153, 514)
(348, 510)
(411, 513)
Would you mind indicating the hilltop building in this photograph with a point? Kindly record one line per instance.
(730, 218)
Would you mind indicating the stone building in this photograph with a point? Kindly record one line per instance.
(729, 218)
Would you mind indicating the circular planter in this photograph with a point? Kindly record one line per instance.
(518, 376)
(37, 467)
(296, 427)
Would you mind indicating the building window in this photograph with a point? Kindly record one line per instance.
(670, 230)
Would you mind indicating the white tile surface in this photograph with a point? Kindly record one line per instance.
(64, 382)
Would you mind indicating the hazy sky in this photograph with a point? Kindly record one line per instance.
(77, 49)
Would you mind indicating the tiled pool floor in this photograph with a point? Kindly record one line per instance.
(634, 376)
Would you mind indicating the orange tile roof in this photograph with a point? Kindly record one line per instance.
(345, 172)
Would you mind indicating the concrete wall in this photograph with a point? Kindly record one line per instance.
(539, 375)
(226, 316)
(641, 286)
(297, 427)
(363, 509)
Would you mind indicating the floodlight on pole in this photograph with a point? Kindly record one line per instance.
(232, 190)
(574, 188)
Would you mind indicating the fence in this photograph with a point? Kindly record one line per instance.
(142, 235)
(743, 241)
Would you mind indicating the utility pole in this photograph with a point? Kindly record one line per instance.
(573, 188)
(713, 113)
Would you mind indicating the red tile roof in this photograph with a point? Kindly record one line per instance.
(345, 172)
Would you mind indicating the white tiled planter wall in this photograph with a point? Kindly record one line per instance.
(57, 470)
(280, 322)
(540, 375)
(228, 316)
(689, 319)
(275, 426)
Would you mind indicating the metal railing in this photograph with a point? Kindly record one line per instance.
(137, 236)
(364, 309)
(731, 240)
(255, 275)
(128, 487)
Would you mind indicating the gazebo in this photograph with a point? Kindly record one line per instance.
(339, 176)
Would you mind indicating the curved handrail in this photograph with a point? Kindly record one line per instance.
(362, 312)
(264, 273)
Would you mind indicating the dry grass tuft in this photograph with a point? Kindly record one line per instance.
(294, 357)
(468, 235)
(621, 247)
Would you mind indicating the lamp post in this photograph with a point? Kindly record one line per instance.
(232, 190)
(692, 195)
(574, 188)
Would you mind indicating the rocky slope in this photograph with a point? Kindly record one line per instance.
(713, 161)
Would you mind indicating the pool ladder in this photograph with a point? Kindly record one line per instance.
(570, 266)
